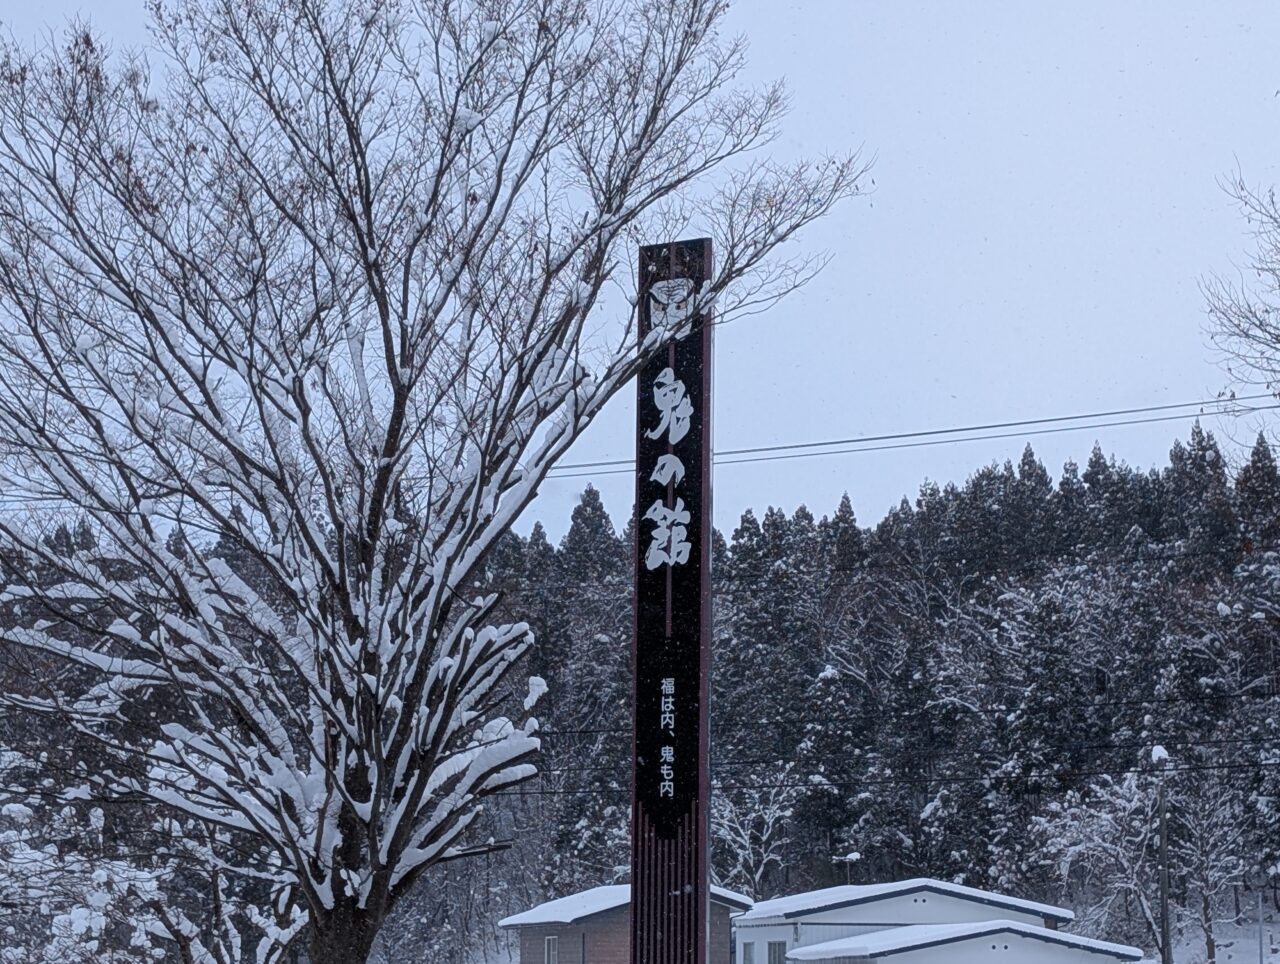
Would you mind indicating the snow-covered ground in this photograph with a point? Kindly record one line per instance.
(1236, 944)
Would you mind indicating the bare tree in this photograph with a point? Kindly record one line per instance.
(1104, 843)
(339, 285)
(1207, 850)
(1244, 317)
(751, 826)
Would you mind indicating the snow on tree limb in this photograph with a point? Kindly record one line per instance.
(337, 288)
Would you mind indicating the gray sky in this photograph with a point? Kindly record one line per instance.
(1046, 203)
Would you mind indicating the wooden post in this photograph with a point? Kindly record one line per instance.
(671, 779)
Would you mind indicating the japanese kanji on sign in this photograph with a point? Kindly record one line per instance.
(672, 638)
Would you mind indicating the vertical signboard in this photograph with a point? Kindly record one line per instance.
(672, 639)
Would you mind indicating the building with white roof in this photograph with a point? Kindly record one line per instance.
(971, 943)
(772, 928)
(594, 927)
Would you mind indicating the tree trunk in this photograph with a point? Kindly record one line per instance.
(1210, 945)
(344, 936)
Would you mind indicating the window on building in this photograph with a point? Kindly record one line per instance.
(749, 952)
(551, 951)
(777, 952)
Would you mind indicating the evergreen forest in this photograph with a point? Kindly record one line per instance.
(994, 685)
(990, 685)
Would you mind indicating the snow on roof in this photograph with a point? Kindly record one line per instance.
(566, 910)
(895, 940)
(831, 898)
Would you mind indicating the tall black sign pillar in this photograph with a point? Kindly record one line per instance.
(672, 640)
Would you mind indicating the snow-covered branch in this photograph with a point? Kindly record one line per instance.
(296, 326)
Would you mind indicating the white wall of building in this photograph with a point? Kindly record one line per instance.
(761, 936)
(1010, 948)
(898, 910)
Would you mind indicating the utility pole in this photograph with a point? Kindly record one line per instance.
(1166, 948)
(1262, 953)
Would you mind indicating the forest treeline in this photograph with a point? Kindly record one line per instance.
(989, 685)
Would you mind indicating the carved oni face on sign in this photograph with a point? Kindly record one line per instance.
(670, 302)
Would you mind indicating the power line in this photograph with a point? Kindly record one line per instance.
(983, 438)
(1011, 778)
(1260, 742)
(1263, 743)
(931, 442)
(926, 779)
(782, 721)
(1224, 404)
(950, 431)
(1012, 424)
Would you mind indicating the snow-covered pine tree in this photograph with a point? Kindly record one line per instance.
(1200, 511)
(838, 710)
(1111, 503)
(542, 603)
(985, 538)
(740, 621)
(1258, 500)
(1030, 514)
(330, 286)
(589, 706)
(1253, 622)
(1070, 501)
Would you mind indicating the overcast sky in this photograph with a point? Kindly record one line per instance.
(1047, 201)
